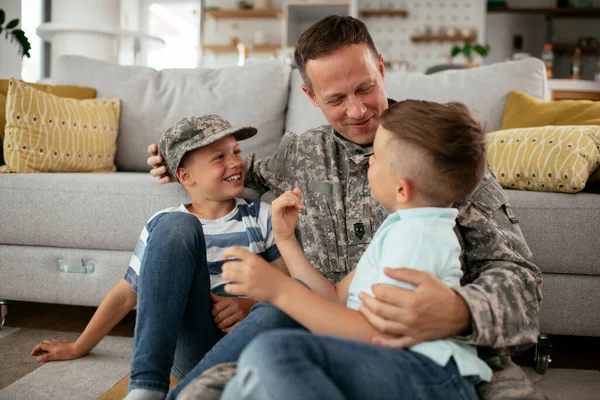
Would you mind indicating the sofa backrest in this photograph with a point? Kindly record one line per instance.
(484, 90)
(151, 100)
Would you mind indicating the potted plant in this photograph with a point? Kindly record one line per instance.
(469, 50)
(11, 31)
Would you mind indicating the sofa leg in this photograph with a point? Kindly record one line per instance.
(543, 351)
(3, 312)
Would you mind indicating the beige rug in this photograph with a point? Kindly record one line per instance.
(23, 378)
(104, 373)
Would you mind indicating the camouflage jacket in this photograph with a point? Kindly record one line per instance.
(500, 285)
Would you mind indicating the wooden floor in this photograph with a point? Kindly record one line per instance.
(60, 317)
(568, 351)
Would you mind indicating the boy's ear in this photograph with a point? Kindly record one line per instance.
(184, 176)
(404, 190)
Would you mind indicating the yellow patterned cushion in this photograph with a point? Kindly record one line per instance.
(73, 92)
(47, 133)
(525, 111)
(548, 159)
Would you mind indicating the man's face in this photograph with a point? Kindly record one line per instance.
(347, 85)
(216, 171)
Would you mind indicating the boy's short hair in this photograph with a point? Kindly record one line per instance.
(439, 147)
(328, 35)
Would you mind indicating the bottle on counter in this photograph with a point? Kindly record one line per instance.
(548, 59)
(576, 68)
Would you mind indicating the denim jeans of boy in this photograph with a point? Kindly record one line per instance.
(174, 326)
(262, 318)
(174, 329)
(295, 365)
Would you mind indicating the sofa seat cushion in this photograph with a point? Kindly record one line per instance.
(561, 229)
(86, 211)
(152, 101)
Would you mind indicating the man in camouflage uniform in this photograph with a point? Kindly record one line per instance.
(497, 309)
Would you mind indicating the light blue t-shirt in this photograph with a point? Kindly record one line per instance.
(422, 239)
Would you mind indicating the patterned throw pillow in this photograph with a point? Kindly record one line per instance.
(547, 159)
(47, 133)
(73, 92)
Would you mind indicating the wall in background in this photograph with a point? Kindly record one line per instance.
(502, 27)
(10, 60)
(392, 34)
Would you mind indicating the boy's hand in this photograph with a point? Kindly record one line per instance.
(156, 162)
(284, 214)
(229, 311)
(251, 275)
(57, 350)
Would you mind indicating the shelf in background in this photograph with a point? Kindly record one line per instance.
(225, 48)
(570, 48)
(395, 12)
(244, 13)
(574, 12)
(442, 38)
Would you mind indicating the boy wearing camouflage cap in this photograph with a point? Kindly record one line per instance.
(176, 326)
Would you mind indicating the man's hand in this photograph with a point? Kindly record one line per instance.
(284, 214)
(56, 350)
(230, 311)
(156, 162)
(432, 311)
(251, 275)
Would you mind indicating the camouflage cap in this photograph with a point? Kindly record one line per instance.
(191, 133)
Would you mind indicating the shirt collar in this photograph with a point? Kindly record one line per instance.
(428, 212)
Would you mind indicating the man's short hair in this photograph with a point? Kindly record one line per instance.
(440, 148)
(328, 35)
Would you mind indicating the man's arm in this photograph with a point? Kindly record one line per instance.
(269, 173)
(502, 287)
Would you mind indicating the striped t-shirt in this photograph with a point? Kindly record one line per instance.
(248, 225)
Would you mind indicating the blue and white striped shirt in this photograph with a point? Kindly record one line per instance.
(248, 225)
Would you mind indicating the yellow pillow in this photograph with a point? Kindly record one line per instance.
(74, 92)
(547, 159)
(524, 111)
(47, 133)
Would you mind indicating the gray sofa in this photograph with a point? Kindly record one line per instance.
(98, 217)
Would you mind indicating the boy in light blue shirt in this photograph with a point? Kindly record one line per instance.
(427, 156)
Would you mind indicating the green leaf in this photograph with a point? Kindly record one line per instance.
(455, 51)
(467, 50)
(13, 23)
(2, 17)
(20, 36)
(482, 51)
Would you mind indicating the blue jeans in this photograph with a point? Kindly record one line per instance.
(174, 326)
(262, 318)
(295, 365)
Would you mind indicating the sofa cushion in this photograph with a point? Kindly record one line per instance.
(523, 111)
(152, 101)
(47, 133)
(545, 159)
(561, 229)
(86, 211)
(54, 210)
(484, 90)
